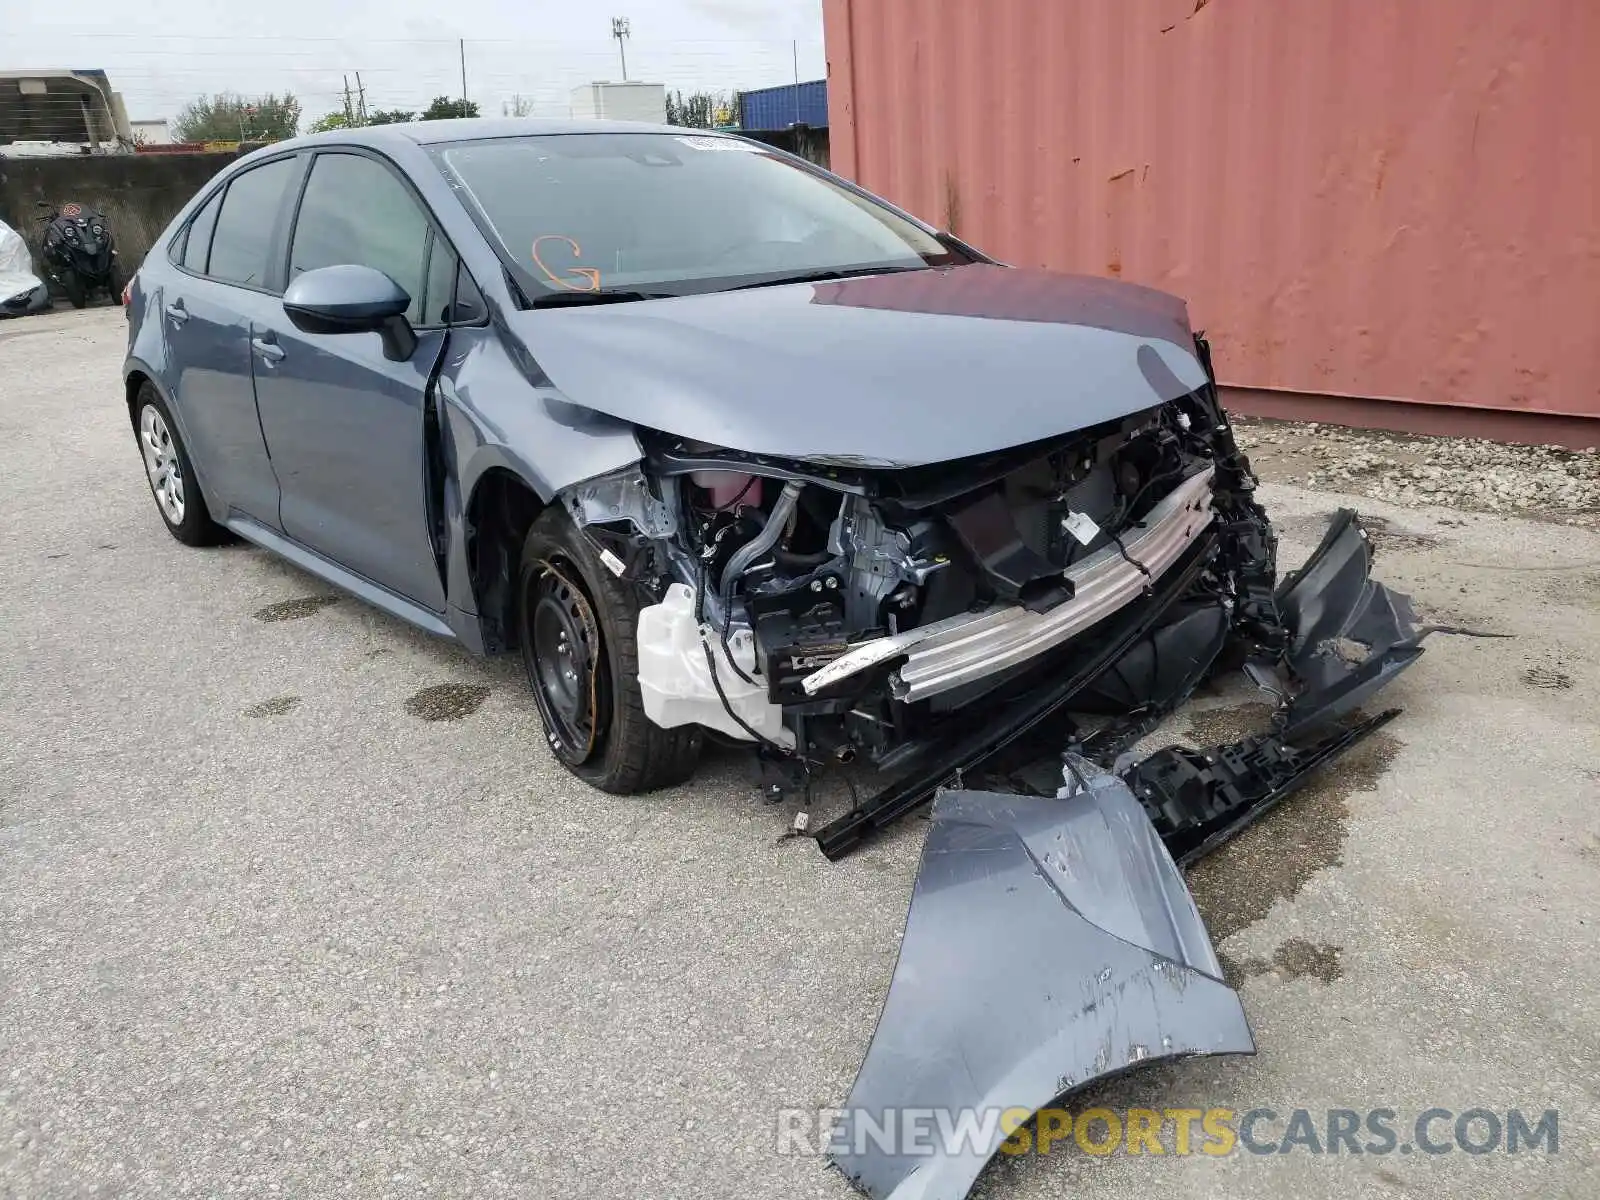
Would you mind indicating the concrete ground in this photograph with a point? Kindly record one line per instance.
(294, 900)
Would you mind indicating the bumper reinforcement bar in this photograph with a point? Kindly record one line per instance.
(962, 649)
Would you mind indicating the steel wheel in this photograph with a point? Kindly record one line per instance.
(161, 461)
(572, 614)
(571, 690)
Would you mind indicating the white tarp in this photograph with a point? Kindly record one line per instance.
(16, 268)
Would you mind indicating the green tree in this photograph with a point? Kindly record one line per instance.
(444, 107)
(700, 110)
(334, 120)
(391, 116)
(230, 117)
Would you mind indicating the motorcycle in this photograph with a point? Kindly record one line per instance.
(80, 253)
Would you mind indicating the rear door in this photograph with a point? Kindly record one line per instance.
(223, 275)
(347, 425)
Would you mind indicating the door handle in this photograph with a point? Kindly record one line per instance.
(270, 351)
(177, 313)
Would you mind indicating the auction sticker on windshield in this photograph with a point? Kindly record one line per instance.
(720, 143)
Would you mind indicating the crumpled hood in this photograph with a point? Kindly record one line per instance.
(889, 370)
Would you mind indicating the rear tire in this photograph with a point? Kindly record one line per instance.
(577, 628)
(72, 284)
(170, 474)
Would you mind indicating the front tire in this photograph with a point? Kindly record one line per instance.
(170, 475)
(72, 284)
(577, 628)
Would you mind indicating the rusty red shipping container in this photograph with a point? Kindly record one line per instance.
(1384, 212)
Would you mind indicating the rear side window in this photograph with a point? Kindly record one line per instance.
(242, 242)
(198, 246)
(355, 211)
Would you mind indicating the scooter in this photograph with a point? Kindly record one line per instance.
(80, 253)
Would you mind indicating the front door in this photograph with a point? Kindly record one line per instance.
(345, 424)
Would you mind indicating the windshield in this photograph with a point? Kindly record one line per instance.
(662, 214)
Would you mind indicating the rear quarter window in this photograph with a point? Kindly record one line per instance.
(197, 241)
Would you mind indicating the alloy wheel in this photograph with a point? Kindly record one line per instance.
(161, 461)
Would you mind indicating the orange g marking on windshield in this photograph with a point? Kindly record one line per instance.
(589, 276)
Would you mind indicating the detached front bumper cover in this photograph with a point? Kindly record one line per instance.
(1049, 942)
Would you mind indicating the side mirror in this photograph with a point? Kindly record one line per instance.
(352, 299)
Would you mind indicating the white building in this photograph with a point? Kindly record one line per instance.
(151, 133)
(620, 101)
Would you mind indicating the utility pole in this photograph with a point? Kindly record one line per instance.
(619, 30)
(349, 111)
(361, 101)
(463, 44)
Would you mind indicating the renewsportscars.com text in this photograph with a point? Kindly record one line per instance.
(1215, 1132)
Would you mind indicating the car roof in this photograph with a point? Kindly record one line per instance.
(428, 133)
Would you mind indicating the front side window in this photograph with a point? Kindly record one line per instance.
(355, 211)
(660, 213)
(241, 246)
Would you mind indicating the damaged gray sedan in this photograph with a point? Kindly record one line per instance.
(723, 446)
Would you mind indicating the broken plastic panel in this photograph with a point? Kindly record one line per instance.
(1198, 799)
(1050, 942)
(1351, 635)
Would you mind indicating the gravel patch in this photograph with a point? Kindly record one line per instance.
(1546, 482)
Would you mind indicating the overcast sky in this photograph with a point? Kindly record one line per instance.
(162, 53)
